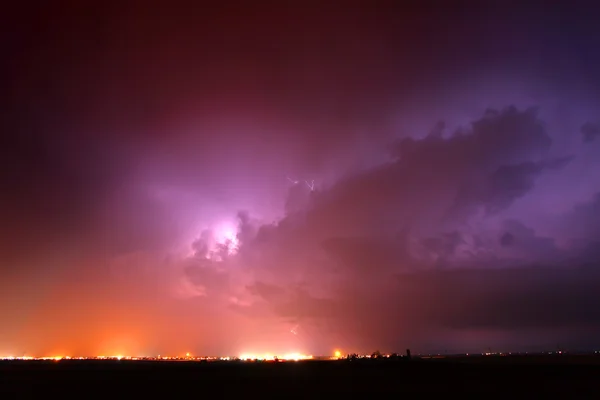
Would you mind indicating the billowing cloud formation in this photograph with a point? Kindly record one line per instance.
(287, 178)
(589, 130)
(360, 253)
(584, 221)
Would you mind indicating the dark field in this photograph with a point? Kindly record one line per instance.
(577, 377)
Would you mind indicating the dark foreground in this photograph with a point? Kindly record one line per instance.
(572, 376)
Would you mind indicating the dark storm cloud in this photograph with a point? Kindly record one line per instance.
(365, 255)
(508, 183)
(295, 303)
(301, 305)
(523, 239)
(583, 222)
(590, 131)
(507, 239)
(266, 291)
(526, 297)
(362, 231)
(135, 131)
(442, 246)
(202, 245)
(208, 278)
(487, 166)
(246, 227)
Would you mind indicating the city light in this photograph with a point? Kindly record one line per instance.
(270, 357)
(187, 357)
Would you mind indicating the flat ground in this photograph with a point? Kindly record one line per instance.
(578, 377)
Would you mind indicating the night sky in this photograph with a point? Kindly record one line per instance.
(297, 176)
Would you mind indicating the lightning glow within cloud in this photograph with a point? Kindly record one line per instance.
(288, 190)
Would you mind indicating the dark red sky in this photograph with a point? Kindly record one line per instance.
(453, 149)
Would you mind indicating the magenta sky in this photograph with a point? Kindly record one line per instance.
(454, 154)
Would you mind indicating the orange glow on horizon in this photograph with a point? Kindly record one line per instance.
(90, 316)
(270, 357)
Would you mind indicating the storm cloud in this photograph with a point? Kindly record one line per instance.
(378, 236)
(270, 178)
